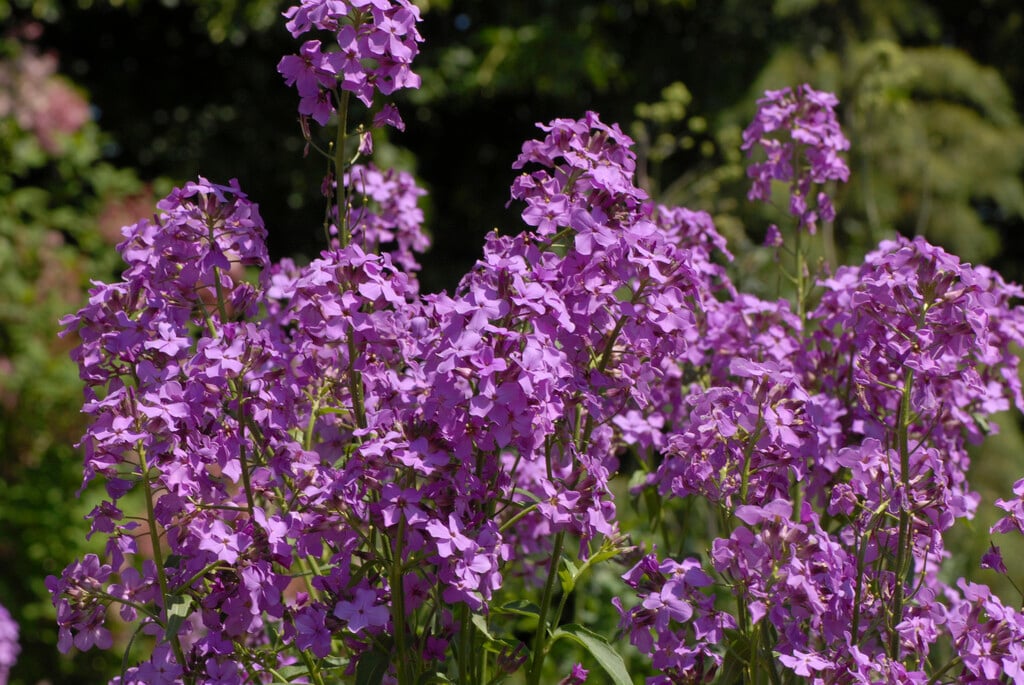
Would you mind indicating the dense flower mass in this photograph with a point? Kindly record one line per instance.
(345, 478)
(385, 211)
(841, 456)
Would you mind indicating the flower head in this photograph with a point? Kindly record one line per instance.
(801, 139)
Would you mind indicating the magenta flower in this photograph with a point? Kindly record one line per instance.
(577, 676)
(800, 125)
(377, 43)
(388, 116)
(311, 632)
(224, 542)
(310, 71)
(449, 537)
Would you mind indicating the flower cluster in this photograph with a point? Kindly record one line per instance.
(376, 43)
(386, 211)
(8, 644)
(801, 139)
(676, 622)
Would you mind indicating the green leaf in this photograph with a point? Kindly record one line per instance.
(737, 654)
(372, 666)
(598, 647)
(294, 671)
(177, 611)
(481, 624)
(519, 607)
(568, 580)
(983, 424)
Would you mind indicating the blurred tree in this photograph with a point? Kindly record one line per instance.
(61, 207)
(938, 143)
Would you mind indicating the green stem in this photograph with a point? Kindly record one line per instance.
(465, 631)
(540, 636)
(520, 514)
(767, 647)
(748, 452)
(858, 590)
(355, 383)
(583, 438)
(801, 281)
(250, 500)
(904, 542)
(398, 607)
(158, 559)
(311, 668)
(341, 192)
(953, 663)
(126, 602)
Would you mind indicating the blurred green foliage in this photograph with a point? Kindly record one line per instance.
(938, 144)
(61, 207)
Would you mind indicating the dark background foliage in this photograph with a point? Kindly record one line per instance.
(190, 87)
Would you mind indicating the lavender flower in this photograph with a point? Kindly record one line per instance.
(9, 647)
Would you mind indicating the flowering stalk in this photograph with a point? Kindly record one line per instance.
(340, 168)
(539, 649)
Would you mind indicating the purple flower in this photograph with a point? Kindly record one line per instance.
(1015, 509)
(676, 622)
(773, 237)
(388, 116)
(799, 125)
(377, 43)
(993, 559)
(362, 612)
(9, 647)
(311, 632)
(223, 542)
(577, 676)
(804, 663)
(309, 71)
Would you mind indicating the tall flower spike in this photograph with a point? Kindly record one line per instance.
(377, 41)
(801, 139)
